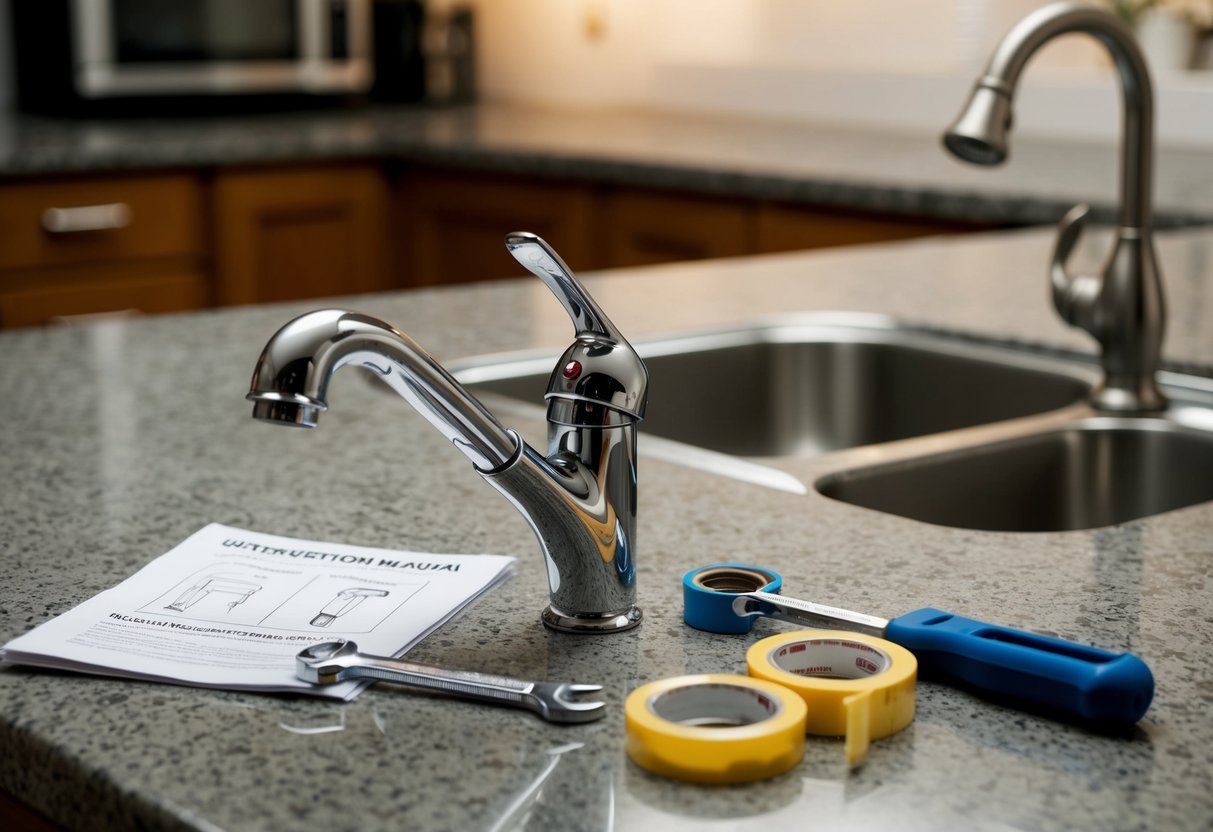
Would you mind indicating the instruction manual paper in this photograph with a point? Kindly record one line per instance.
(230, 608)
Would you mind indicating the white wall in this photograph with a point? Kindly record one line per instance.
(539, 50)
(903, 64)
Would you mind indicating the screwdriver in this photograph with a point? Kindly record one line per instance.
(1066, 677)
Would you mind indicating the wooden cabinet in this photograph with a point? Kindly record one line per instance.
(185, 240)
(18, 817)
(101, 244)
(301, 232)
(452, 225)
(642, 227)
(47, 296)
(780, 227)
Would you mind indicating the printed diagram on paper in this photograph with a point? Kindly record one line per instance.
(231, 608)
(243, 594)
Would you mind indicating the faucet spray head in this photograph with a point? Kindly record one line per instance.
(979, 134)
(298, 411)
(285, 389)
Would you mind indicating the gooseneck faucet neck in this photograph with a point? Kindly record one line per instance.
(1123, 308)
(291, 380)
(1012, 54)
(579, 499)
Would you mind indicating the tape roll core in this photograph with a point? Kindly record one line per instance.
(715, 728)
(732, 579)
(709, 591)
(854, 685)
(708, 704)
(830, 658)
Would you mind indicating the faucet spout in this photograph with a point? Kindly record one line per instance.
(291, 380)
(579, 499)
(1124, 308)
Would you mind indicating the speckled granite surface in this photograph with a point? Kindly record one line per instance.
(121, 439)
(872, 170)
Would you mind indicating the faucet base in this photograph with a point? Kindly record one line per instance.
(565, 622)
(1147, 399)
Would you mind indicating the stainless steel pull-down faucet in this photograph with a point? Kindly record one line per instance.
(1123, 309)
(579, 498)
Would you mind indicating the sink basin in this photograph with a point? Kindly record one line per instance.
(1094, 472)
(808, 386)
(870, 412)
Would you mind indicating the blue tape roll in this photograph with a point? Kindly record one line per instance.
(708, 593)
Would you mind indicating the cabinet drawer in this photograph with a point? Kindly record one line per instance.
(35, 298)
(101, 219)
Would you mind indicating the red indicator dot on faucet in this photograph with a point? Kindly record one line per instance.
(571, 370)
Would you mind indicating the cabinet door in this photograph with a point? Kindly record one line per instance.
(789, 227)
(288, 233)
(655, 227)
(456, 224)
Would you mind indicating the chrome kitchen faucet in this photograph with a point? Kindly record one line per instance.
(1124, 308)
(580, 499)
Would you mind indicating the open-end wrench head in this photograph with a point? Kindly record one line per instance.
(560, 702)
(324, 663)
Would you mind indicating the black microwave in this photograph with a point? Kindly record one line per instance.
(85, 56)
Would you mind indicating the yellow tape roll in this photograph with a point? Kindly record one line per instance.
(855, 685)
(715, 728)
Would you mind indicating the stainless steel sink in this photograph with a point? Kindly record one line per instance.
(924, 425)
(810, 385)
(1097, 471)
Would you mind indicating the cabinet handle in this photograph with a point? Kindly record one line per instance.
(108, 217)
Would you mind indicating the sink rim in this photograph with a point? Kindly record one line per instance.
(1176, 421)
(1190, 408)
(863, 327)
(783, 473)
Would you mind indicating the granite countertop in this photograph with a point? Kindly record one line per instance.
(122, 438)
(823, 164)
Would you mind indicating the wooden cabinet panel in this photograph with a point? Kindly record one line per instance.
(163, 217)
(254, 235)
(790, 227)
(96, 244)
(18, 817)
(644, 227)
(455, 224)
(39, 297)
(282, 234)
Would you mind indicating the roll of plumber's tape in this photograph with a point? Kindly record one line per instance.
(855, 685)
(709, 591)
(715, 728)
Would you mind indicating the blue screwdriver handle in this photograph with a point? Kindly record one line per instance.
(1087, 682)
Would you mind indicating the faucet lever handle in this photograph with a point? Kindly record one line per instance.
(1068, 289)
(541, 260)
(1069, 229)
(600, 379)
